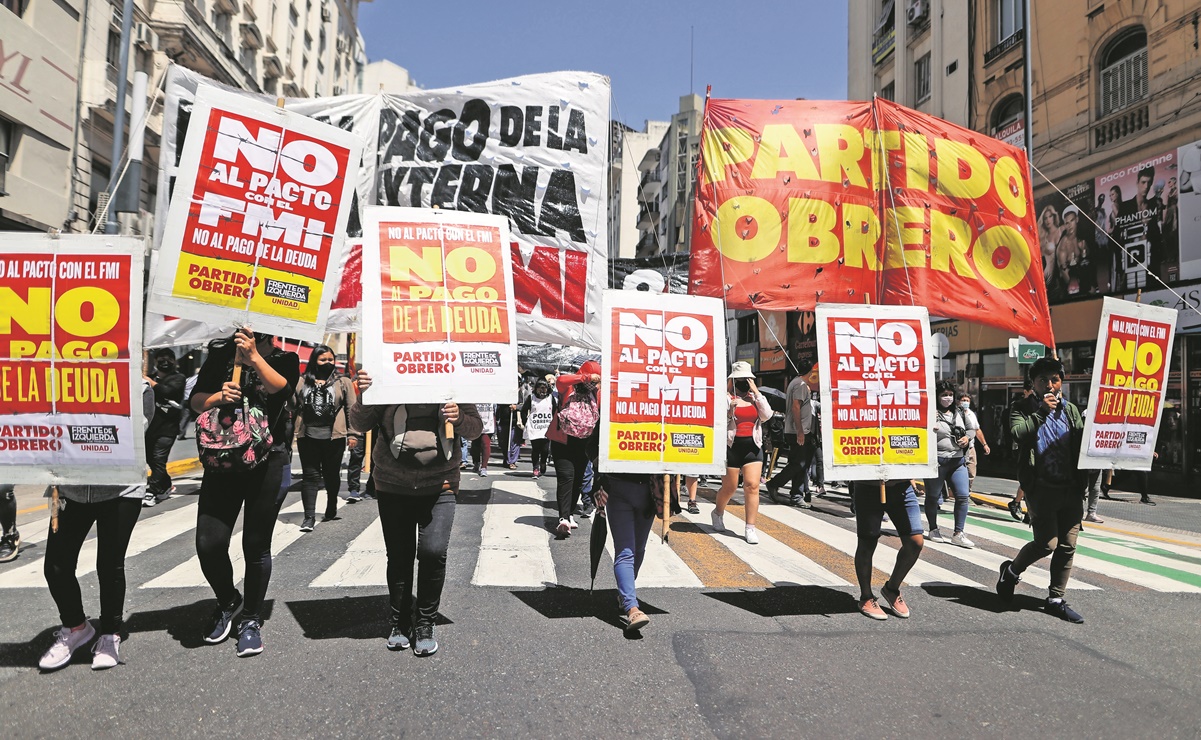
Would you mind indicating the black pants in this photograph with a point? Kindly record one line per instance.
(222, 496)
(114, 520)
(321, 460)
(416, 527)
(570, 461)
(158, 449)
(354, 466)
(797, 469)
(8, 509)
(540, 454)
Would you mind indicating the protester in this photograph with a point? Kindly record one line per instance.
(322, 398)
(748, 409)
(903, 511)
(114, 510)
(1048, 429)
(977, 434)
(798, 432)
(508, 433)
(631, 503)
(185, 415)
(536, 413)
(481, 447)
(690, 484)
(10, 538)
(416, 481)
(168, 384)
(268, 381)
(1092, 488)
(1015, 506)
(357, 444)
(575, 440)
(952, 438)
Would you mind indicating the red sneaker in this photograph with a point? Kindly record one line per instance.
(871, 609)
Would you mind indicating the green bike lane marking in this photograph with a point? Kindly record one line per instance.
(1179, 576)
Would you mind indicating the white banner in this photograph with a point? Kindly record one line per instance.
(1129, 385)
(71, 360)
(438, 318)
(663, 394)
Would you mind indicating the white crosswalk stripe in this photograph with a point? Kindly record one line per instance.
(661, 566)
(364, 564)
(515, 545)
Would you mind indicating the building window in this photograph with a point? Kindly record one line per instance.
(1007, 19)
(112, 54)
(889, 91)
(16, 6)
(682, 159)
(1008, 121)
(1124, 71)
(7, 137)
(921, 78)
(884, 36)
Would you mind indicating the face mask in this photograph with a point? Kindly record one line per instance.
(741, 386)
(541, 393)
(965, 405)
(946, 401)
(324, 371)
(165, 366)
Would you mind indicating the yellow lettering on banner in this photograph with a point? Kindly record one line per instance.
(724, 147)
(912, 221)
(1017, 263)
(470, 265)
(873, 139)
(795, 158)
(950, 180)
(950, 238)
(1009, 183)
(840, 147)
(748, 228)
(917, 162)
(106, 311)
(861, 236)
(32, 316)
(811, 236)
(403, 262)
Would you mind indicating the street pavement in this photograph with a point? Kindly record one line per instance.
(744, 641)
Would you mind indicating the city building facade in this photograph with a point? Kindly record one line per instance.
(668, 170)
(629, 186)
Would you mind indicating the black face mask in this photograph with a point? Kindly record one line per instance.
(742, 386)
(165, 366)
(323, 371)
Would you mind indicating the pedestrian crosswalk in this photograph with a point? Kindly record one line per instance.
(517, 549)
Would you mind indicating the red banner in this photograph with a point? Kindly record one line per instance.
(806, 202)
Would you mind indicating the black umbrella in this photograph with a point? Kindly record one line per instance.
(596, 541)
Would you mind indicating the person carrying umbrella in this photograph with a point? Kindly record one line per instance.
(631, 503)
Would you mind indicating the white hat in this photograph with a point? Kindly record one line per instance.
(741, 369)
(1071, 208)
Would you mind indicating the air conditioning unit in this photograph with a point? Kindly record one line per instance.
(145, 38)
(918, 10)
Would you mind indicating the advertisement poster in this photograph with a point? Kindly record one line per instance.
(71, 360)
(257, 222)
(803, 202)
(876, 392)
(663, 399)
(1134, 351)
(437, 312)
(1141, 211)
(1077, 256)
(1184, 195)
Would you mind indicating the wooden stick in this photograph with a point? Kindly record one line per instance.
(883, 493)
(237, 377)
(54, 508)
(367, 453)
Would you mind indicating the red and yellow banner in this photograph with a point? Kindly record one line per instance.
(806, 202)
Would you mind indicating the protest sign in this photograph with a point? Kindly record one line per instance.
(876, 392)
(804, 202)
(257, 220)
(663, 395)
(438, 318)
(1134, 351)
(71, 360)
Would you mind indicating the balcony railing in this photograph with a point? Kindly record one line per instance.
(1008, 43)
(1118, 127)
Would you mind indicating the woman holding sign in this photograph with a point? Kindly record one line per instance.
(744, 448)
(953, 439)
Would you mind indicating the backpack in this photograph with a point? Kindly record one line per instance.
(579, 415)
(233, 439)
(319, 406)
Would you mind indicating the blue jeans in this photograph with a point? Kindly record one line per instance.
(952, 472)
(631, 511)
(466, 452)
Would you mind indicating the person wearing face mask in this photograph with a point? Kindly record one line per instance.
(977, 435)
(322, 399)
(748, 410)
(536, 412)
(953, 438)
(168, 384)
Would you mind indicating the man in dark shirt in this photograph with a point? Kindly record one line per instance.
(168, 384)
(1048, 430)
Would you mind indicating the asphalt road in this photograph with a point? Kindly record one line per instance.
(791, 659)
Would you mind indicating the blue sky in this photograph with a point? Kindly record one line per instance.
(744, 48)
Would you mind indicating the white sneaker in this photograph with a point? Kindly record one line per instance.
(718, 524)
(66, 642)
(936, 536)
(564, 527)
(149, 500)
(106, 652)
(752, 535)
(571, 521)
(959, 539)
